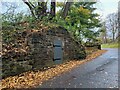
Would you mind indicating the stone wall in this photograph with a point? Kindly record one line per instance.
(39, 52)
(41, 44)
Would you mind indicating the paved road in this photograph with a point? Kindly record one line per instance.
(101, 72)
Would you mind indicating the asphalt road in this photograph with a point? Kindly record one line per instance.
(101, 72)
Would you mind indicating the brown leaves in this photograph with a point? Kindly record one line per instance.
(32, 79)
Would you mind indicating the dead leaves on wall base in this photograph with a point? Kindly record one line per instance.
(34, 78)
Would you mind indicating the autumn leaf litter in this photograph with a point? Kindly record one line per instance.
(34, 78)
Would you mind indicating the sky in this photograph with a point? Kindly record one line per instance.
(104, 7)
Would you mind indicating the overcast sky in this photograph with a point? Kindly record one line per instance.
(105, 7)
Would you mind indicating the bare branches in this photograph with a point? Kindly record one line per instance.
(112, 24)
(37, 10)
(31, 7)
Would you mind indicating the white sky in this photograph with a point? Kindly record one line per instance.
(105, 7)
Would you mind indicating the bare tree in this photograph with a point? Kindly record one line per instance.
(10, 13)
(112, 24)
(103, 33)
(118, 37)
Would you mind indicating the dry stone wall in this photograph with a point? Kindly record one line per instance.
(40, 52)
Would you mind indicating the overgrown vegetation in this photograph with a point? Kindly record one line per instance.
(79, 20)
(76, 17)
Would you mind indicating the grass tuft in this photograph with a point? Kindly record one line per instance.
(111, 45)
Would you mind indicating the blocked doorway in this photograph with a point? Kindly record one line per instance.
(58, 51)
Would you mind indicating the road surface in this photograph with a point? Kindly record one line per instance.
(101, 72)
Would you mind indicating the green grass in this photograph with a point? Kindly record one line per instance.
(111, 45)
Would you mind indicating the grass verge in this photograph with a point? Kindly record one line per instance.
(111, 45)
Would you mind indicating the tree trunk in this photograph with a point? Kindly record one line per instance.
(66, 9)
(41, 10)
(113, 36)
(105, 37)
(31, 7)
(52, 9)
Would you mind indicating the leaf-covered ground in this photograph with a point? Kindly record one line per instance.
(33, 78)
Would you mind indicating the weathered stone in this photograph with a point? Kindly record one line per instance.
(40, 52)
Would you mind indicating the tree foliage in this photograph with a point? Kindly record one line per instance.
(77, 17)
(81, 20)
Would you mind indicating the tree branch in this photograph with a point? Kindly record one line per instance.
(31, 7)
